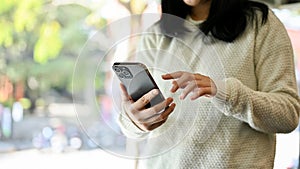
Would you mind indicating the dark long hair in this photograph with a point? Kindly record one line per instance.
(226, 21)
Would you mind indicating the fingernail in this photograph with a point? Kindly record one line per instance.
(170, 99)
(155, 92)
(173, 88)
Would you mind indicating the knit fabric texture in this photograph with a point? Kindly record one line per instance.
(256, 98)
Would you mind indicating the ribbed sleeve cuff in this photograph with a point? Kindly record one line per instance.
(220, 100)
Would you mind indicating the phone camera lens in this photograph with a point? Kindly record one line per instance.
(118, 70)
(125, 72)
(121, 76)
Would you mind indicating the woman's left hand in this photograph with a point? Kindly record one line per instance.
(195, 83)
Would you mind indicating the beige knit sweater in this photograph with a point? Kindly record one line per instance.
(256, 98)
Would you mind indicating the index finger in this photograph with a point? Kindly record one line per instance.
(144, 100)
(174, 75)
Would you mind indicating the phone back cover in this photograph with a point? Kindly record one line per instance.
(141, 83)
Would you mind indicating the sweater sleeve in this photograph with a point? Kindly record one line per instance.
(128, 128)
(274, 106)
(144, 54)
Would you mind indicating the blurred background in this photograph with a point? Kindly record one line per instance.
(40, 41)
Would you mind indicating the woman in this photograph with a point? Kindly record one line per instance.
(252, 95)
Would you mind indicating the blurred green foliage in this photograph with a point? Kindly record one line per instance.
(41, 39)
(49, 43)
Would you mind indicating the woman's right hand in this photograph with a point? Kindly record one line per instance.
(146, 119)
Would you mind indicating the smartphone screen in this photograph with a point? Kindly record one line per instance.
(137, 80)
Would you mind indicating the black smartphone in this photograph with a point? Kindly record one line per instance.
(138, 81)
